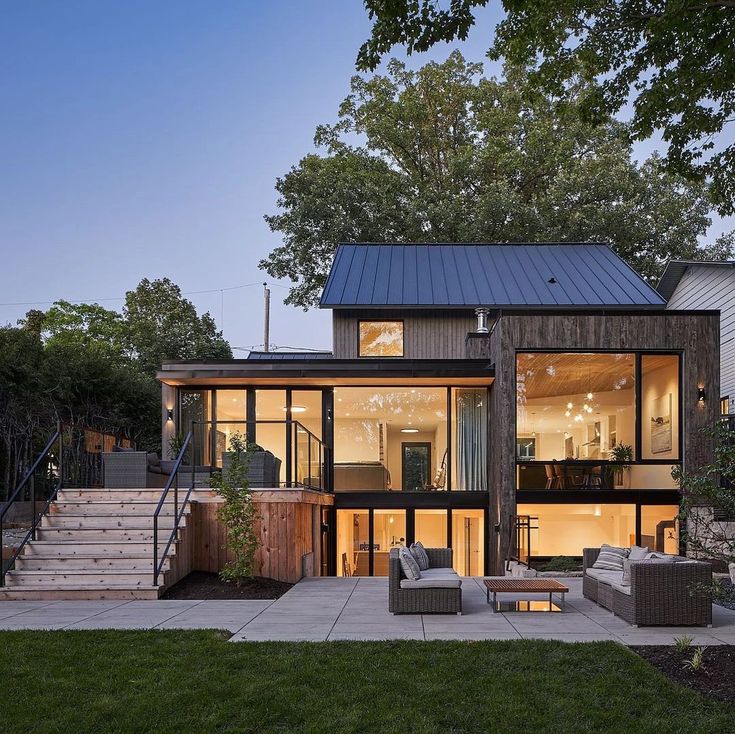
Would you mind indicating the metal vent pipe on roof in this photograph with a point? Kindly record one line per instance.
(482, 314)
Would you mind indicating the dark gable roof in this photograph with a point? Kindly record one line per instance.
(674, 272)
(288, 356)
(495, 275)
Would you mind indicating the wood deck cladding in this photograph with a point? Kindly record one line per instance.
(426, 335)
(695, 335)
(288, 527)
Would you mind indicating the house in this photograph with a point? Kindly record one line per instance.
(707, 285)
(474, 397)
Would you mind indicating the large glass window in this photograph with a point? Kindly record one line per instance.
(470, 438)
(430, 528)
(660, 528)
(270, 405)
(565, 529)
(389, 531)
(660, 406)
(381, 338)
(574, 406)
(306, 410)
(468, 542)
(230, 414)
(195, 409)
(390, 438)
(576, 421)
(353, 542)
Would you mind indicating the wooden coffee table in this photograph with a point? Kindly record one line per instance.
(525, 586)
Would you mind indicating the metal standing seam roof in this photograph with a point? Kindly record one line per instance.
(549, 275)
(287, 356)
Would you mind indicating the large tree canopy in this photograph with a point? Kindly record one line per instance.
(674, 58)
(88, 366)
(444, 155)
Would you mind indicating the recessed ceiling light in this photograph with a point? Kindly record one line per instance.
(409, 430)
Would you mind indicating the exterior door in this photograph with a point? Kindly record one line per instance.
(415, 465)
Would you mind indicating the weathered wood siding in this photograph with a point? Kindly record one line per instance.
(289, 532)
(695, 335)
(704, 287)
(430, 334)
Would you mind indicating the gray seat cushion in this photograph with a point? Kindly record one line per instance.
(433, 582)
(606, 577)
(625, 588)
(438, 573)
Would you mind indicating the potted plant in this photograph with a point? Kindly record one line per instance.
(621, 455)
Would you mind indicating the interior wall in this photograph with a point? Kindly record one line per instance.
(565, 529)
(430, 528)
(394, 453)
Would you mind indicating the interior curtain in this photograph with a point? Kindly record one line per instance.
(471, 408)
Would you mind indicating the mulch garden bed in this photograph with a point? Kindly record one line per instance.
(201, 585)
(716, 680)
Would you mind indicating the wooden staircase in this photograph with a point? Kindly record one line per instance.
(97, 544)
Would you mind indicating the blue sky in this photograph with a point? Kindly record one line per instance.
(143, 139)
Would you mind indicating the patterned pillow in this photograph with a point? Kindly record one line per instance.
(611, 558)
(421, 556)
(408, 564)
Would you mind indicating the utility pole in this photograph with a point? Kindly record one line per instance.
(267, 321)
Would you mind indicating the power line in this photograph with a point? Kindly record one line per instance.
(122, 298)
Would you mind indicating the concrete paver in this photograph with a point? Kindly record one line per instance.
(319, 609)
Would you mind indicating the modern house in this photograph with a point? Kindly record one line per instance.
(474, 398)
(708, 286)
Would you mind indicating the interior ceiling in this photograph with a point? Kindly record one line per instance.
(542, 375)
(410, 406)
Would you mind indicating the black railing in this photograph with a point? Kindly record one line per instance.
(570, 474)
(53, 477)
(301, 454)
(173, 481)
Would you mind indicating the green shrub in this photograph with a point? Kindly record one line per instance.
(238, 513)
(562, 563)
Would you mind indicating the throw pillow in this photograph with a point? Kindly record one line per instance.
(610, 558)
(659, 557)
(637, 553)
(421, 556)
(626, 573)
(408, 564)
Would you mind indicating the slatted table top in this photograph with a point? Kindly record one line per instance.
(519, 585)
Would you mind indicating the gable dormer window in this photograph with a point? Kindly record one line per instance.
(380, 338)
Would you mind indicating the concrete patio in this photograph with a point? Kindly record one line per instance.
(319, 609)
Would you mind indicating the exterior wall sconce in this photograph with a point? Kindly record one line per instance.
(701, 396)
(170, 414)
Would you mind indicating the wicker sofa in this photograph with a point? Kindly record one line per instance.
(443, 595)
(660, 592)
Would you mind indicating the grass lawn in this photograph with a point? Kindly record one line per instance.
(78, 682)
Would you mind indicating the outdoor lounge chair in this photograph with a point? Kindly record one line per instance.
(440, 592)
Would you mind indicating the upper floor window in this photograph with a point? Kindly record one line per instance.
(380, 338)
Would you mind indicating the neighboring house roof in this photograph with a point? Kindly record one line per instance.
(493, 275)
(284, 356)
(675, 270)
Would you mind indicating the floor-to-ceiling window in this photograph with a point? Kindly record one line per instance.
(660, 528)
(390, 439)
(470, 438)
(468, 542)
(231, 413)
(592, 421)
(353, 543)
(430, 528)
(195, 414)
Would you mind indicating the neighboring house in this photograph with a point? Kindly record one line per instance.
(707, 285)
(472, 390)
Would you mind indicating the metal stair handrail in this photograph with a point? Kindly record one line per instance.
(36, 518)
(178, 513)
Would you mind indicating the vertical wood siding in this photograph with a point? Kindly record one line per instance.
(430, 334)
(696, 335)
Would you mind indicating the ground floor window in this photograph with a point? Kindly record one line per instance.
(468, 542)
(564, 529)
(660, 528)
(365, 537)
